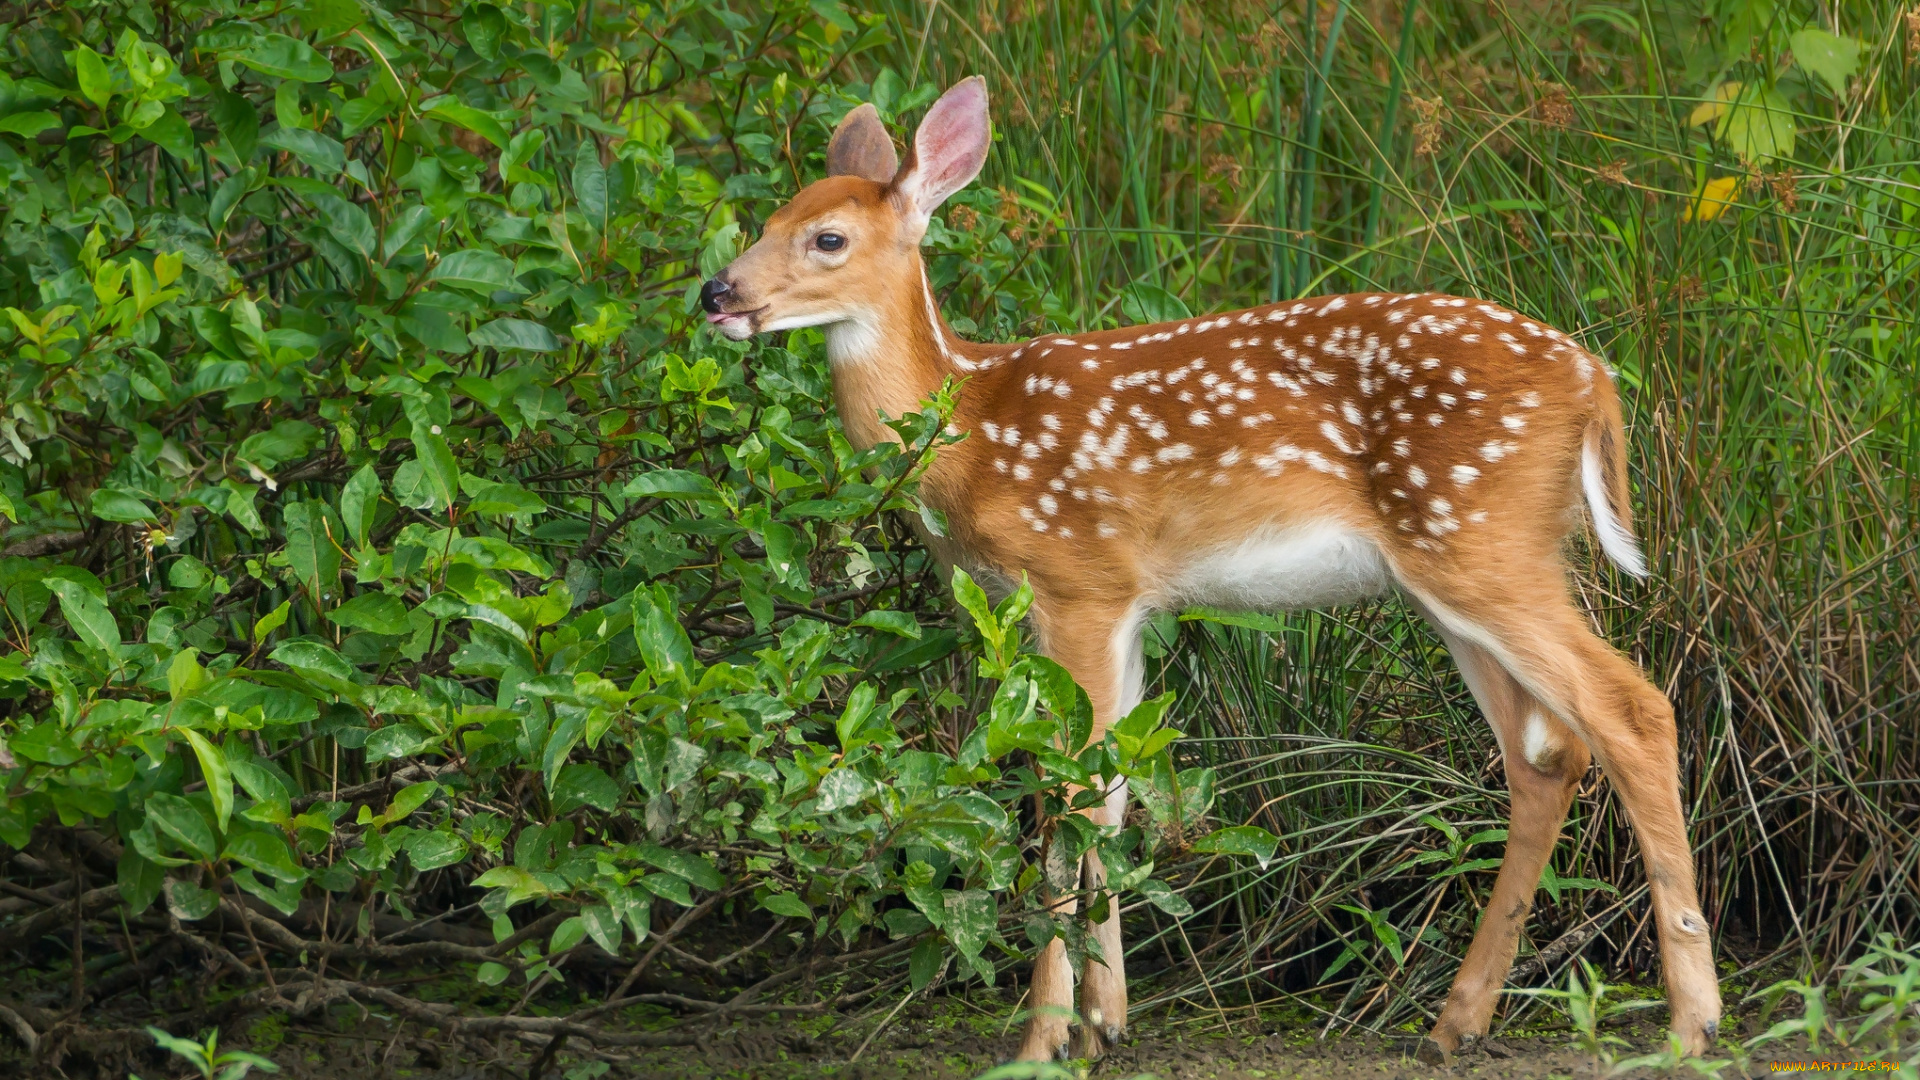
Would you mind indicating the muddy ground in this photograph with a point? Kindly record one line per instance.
(954, 1039)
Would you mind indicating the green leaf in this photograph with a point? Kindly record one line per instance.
(112, 504)
(604, 927)
(213, 767)
(569, 933)
(361, 113)
(406, 801)
(170, 132)
(971, 917)
(690, 867)
(329, 17)
(475, 269)
(466, 116)
(506, 500)
(184, 674)
(893, 622)
(375, 612)
(311, 549)
(927, 959)
(316, 661)
(905, 922)
(1252, 620)
(238, 121)
(28, 124)
(485, 29)
(436, 460)
(240, 506)
(580, 785)
(287, 440)
(663, 642)
(265, 853)
(523, 334)
(1143, 303)
(180, 820)
(1348, 954)
(271, 621)
(1759, 124)
(285, 57)
(1469, 866)
(190, 902)
(1163, 897)
(673, 484)
(398, 741)
(87, 615)
(788, 904)
(1834, 59)
(668, 887)
(491, 974)
(842, 788)
(140, 880)
(359, 500)
(322, 154)
(260, 783)
(1240, 840)
(96, 82)
(47, 743)
(431, 850)
(722, 248)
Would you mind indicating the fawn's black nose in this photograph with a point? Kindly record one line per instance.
(712, 293)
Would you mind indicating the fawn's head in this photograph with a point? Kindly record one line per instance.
(845, 250)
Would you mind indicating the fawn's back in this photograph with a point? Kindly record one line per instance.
(1281, 456)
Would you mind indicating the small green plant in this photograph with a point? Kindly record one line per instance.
(205, 1056)
(1813, 1021)
(1885, 983)
(1587, 1007)
(1888, 982)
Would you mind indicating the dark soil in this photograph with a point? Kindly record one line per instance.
(951, 1039)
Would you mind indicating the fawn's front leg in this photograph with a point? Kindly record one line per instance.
(1050, 997)
(1103, 988)
(1099, 643)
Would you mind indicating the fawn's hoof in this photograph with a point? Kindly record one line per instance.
(1428, 1051)
(1093, 1040)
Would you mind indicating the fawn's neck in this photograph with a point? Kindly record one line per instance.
(891, 358)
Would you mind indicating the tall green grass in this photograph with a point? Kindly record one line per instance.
(1540, 154)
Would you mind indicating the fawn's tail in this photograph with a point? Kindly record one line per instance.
(1603, 477)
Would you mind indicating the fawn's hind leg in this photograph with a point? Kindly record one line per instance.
(1543, 641)
(1544, 764)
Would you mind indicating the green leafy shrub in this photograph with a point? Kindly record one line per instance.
(388, 526)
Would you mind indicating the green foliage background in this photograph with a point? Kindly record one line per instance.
(388, 537)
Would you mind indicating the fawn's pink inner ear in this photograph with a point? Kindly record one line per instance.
(950, 146)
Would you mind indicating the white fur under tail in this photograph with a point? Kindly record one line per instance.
(1615, 539)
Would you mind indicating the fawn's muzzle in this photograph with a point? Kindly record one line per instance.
(712, 293)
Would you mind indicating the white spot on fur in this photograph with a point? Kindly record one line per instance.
(1537, 743)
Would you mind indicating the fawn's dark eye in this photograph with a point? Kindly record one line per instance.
(829, 241)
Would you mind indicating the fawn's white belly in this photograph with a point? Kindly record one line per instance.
(1275, 569)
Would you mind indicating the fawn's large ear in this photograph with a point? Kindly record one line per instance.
(861, 147)
(947, 152)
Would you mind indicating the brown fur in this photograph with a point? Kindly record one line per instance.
(1443, 435)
